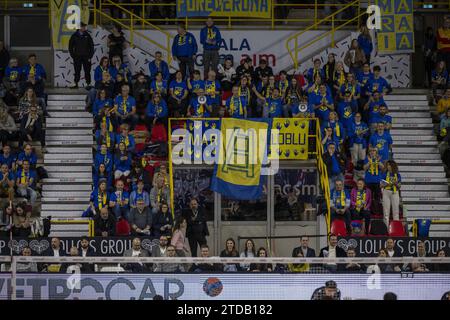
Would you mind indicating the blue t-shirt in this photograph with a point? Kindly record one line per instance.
(13, 73)
(96, 199)
(116, 196)
(197, 84)
(124, 106)
(336, 198)
(135, 195)
(358, 133)
(200, 110)
(210, 88)
(363, 79)
(386, 119)
(377, 85)
(178, 88)
(159, 87)
(26, 176)
(158, 111)
(374, 173)
(123, 70)
(346, 112)
(128, 140)
(106, 159)
(274, 107)
(8, 160)
(122, 165)
(338, 130)
(382, 143)
(32, 159)
(374, 109)
(100, 104)
(10, 175)
(236, 106)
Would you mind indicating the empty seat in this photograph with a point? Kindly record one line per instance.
(338, 228)
(396, 229)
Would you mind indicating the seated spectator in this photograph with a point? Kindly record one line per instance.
(199, 109)
(439, 79)
(108, 85)
(119, 201)
(7, 180)
(102, 68)
(350, 85)
(374, 167)
(136, 251)
(162, 173)
(178, 92)
(363, 78)
(104, 157)
(249, 252)
(163, 222)
(230, 251)
(37, 87)
(382, 141)
(74, 267)
(122, 162)
(227, 74)
(298, 267)
(29, 99)
(21, 221)
(31, 128)
(140, 219)
(358, 133)
(332, 251)
(159, 194)
(102, 110)
(443, 104)
(139, 193)
(361, 200)
(29, 267)
(205, 267)
(340, 204)
(441, 267)
(160, 250)
(35, 69)
(101, 174)
(372, 109)
(334, 163)
(159, 66)
(322, 103)
(391, 183)
(420, 253)
(382, 267)
(117, 68)
(99, 199)
(159, 86)
(126, 138)
(125, 107)
(316, 70)
(26, 182)
(236, 105)
(157, 111)
(338, 130)
(104, 223)
(27, 154)
(8, 158)
(261, 267)
(304, 247)
(105, 137)
(352, 267)
(195, 84)
(383, 117)
(179, 237)
(392, 252)
(8, 128)
(169, 267)
(11, 82)
(245, 68)
(292, 97)
(55, 250)
(444, 126)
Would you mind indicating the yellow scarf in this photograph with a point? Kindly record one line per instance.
(108, 123)
(101, 200)
(341, 79)
(32, 70)
(124, 106)
(394, 180)
(342, 198)
(337, 129)
(283, 86)
(125, 140)
(23, 177)
(233, 107)
(353, 88)
(211, 89)
(373, 166)
(269, 91)
(211, 34)
(246, 94)
(181, 40)
(360, 199)
(108, 140)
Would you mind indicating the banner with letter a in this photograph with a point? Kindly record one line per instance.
(224, 8)
(241, 156)
(62, 18)
(397, 27)
(292, 139)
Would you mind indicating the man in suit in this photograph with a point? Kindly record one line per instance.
(136, 251)
(86, 251)
(197, 229)
(160, 251)
(304, 247)
(332, 251)
(55, 250)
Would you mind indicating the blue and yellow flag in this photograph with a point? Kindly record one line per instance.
(242, 153)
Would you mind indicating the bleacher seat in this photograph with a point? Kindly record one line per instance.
(338, 228)
(396, 229)
(377, 228)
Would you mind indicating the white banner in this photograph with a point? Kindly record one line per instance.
(227, 286)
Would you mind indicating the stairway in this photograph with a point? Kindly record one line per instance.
(425, 187)
(65, 194)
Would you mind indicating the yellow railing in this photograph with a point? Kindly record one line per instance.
(316, 154)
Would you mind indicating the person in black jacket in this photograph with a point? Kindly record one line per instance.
(81, 49)
(197, 229)
(163, 222)
(55, 250)
(31, 128)
(334, 163)
(304, 247)
(104, 224)
(332, 251)
(205, 267)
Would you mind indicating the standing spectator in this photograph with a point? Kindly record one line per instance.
(249, 252)
(119, 201)
(334, 163)
(237, 105)
(373, 167)
(210, 38)
(8, 128)
(304, 248)
(159, 194)
(332, 251)
(140, 219)
(8, 157)
(81, 49)
(99, 199)
(116, 42)
(26, 182)
(159, 65)
(163, 221)
(120, 71)
(4, 60)
(102, 68)
(31, 128)
(178, 91)
(315, 71)
(125, 107)
(382, 141)
(355, 57)
(184, 50)
(212, 91)
(230, 251)
(245, 68)
(358, 133)
(340, 204)
(139, 193)
(179, 237)
(429, 53)
(365, 42)
(391, 184)
(443, 42)
(104, 223)
(197, 229)
(27, 154)
(361, 200)
(328, 70)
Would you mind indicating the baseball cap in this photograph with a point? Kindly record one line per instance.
(331, 284)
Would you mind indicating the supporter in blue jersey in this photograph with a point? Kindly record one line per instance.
(381, 140)
(119, 68)
(196, 83)
(26, 179)
(314, 71)
(102, 68)
(236, 105)
(184, 49)
(27, 154)
(157, 110)
(200, 106)
(213, 90)
(340, 204)
(125, 137)
(99, 199)
(119, 201)
(358, 133)
(346, 110)
(106, 137)
(373, 166)
(383, 117)
(338, 130)
(372, 108)
(125, 107)
(105, 157)
(322, 103)
(178, 94)
(378, 83)
(273, 107)
(7, 181)
(159, 66)
(122, 162)
(7, 157)
(159, 85)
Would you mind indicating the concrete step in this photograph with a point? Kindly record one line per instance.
(424, 187)
(63, 213)
(68, 168)
(398, 138)
(63, 137)
(423, 200)
(426, 194)
(68, 132)
(413, 149)
(66, 200)
(406, 102)
(398, 142)
(419, 214)
(70, 143)
(409, 114)
(406, 97)
(430, 207)
(412, 126)
(418, 156)
(427, 180)
(73, 124)
(69, 162)
(69, 149)
(73, 114)
(64, 97)
(67, 180)
(66, 108)
(51, 121)
(415, 162)
(67, 187)
(423, 174)
(411, 120)
(79, 175)
(68, 194)
(403, 168)
(63, 207)
(409, 108)
(69, 153)
(407, 132)
(66, 103)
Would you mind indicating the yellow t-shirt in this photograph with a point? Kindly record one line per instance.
(443, 105)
